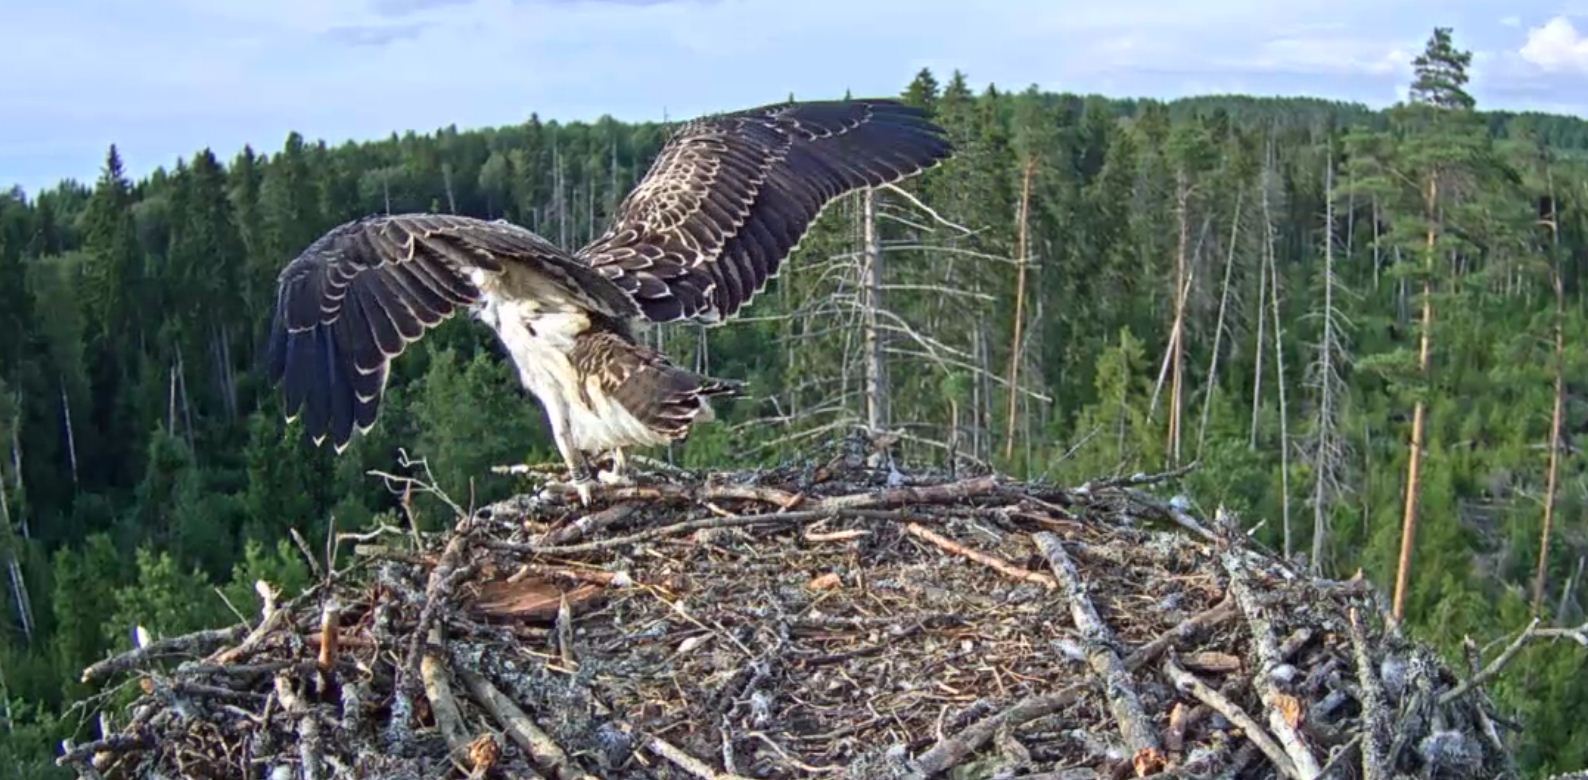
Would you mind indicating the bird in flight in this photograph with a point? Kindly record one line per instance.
(727, 199)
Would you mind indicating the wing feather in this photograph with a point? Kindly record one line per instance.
(356, 297)
(729, 197)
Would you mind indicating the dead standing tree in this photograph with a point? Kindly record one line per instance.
(859, 305)
(1330, 447)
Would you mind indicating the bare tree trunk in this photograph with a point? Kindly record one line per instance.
(1377, 260)
(1218, 327)
(446, 181)
(1552, 478)
(1414, 460)
(187, 408)
(1257, 349)
(1021, 256)
(71, 437)
(871, 281)
(559, 199)
(1326, 453)
(19, 590)
(1279, 377)
(1177, 330)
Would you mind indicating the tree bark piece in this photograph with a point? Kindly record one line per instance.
(1281, 706)
(1123, 702)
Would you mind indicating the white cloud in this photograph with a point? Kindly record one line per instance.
(1511, 21)
(1556, 47)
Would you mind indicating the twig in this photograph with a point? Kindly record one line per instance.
(950, 751)
(1233, 713)
(1578, 635)
(685, 762)
(274, 615)
(991, 561)
(676, 529)
(1216, 615)
(1137, 480)
(1280, 705)
(1146, 753)
(83, 754)
(187, 644)
(530, 738)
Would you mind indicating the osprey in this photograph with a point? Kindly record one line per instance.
(727, 199)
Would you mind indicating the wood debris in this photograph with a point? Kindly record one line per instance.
(790, 624)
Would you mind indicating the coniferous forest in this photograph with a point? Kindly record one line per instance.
(1368, 329)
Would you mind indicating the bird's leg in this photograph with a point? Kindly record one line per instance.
(619, 475)
(578, 465)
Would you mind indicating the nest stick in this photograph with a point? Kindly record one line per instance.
(1139, 734)
(1216, 615)
(194, 643)
(685, 762)
(950, 751)
(449, 719)
(311, 752)
(586, 524)
(530, 738)
(1268, 659)
(1532, 632)
(1375, 715)
(1232, 712)
(274, 615)
(330, 619)
(991, 561)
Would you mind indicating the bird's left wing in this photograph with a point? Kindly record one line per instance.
(361, 293)
(730, 196)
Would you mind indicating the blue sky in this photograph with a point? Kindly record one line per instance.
(162, 78)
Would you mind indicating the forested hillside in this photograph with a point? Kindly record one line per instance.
(1291, 293)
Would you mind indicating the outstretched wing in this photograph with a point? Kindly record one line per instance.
(361, 293)
(730, 196)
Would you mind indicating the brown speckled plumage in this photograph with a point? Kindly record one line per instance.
(727, 199)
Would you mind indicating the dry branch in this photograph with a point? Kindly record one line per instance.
(1232, 712)
(523, 731)
(1123, 701)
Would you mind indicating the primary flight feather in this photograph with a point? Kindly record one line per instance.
(727, 199)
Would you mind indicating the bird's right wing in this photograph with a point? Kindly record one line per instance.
(361, 293)
(729, 197)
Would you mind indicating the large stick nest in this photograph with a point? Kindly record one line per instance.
(822, 620)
